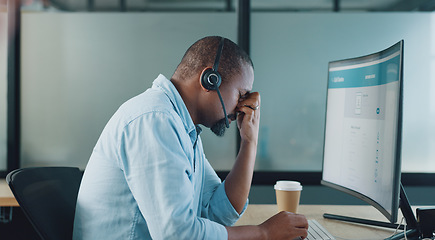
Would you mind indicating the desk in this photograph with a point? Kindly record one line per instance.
(7, 201)
(6, 197)
(257, 213)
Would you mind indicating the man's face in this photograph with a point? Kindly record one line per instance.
(233, 91)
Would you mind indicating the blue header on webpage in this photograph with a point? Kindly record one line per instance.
(368, 74)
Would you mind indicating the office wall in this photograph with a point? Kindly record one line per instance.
(77, 68)
(3, 88)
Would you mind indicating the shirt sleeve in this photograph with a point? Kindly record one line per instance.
(216, 206)
(158, 172)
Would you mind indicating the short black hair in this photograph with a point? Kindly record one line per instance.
(202, 54)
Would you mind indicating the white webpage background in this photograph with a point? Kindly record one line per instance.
(360, 147)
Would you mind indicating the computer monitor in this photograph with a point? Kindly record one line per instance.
(362, 144)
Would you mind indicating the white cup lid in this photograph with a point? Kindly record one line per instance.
(288, 186)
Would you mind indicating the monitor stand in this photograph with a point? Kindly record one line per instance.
(412, 230)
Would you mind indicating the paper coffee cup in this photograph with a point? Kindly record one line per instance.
(288, 194)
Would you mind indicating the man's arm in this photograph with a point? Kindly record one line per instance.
(284, 225)
(238, 181)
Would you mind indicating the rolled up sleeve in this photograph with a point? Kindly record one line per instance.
(216, 206)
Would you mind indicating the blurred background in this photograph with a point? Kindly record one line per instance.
(67, 65)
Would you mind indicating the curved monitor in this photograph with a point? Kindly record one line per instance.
(362, 142)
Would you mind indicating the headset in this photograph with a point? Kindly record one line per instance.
(211, 79)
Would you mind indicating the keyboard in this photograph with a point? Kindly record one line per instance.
(317, 231)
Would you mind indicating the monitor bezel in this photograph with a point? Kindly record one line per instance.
(392, 217)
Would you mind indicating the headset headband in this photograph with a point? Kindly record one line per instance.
(218, 54)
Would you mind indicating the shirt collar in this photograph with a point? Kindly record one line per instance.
(177, 102)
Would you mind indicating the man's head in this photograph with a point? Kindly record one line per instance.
(236, 70)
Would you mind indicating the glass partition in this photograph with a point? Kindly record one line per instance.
(78, 68)
(291, 60)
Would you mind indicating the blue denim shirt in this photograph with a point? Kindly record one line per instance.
(148, 177)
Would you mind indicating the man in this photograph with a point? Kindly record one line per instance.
(148, 177)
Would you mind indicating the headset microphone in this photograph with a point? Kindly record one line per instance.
(211, 79)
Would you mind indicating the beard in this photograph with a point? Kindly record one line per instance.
(219, 128)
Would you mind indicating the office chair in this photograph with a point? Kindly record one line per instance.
(47, 196)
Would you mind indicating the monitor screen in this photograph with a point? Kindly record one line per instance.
(362, 142)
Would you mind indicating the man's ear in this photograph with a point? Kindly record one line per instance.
(200, 79)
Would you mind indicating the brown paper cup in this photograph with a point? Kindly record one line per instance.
(287, 195)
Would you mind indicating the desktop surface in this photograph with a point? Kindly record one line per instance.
(7, 198)
(257, 213)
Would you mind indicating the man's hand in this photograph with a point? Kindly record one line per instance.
(248, 119)
(285, 225)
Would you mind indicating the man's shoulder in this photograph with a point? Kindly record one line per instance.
(150, 102)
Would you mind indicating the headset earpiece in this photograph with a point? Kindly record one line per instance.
(210, 79)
